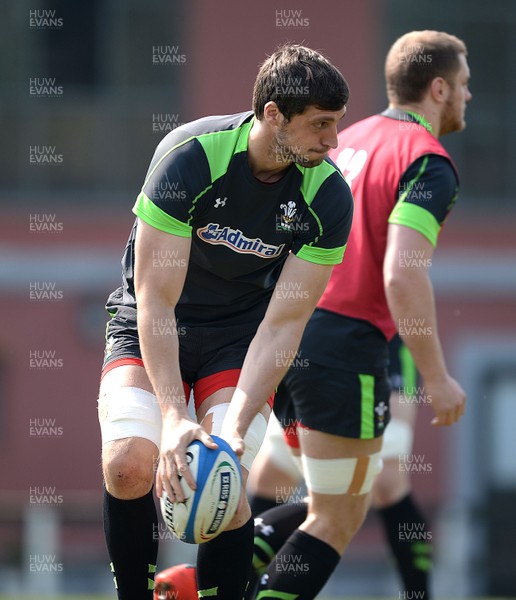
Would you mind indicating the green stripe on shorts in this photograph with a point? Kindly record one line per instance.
(408, 370)
(367, 406)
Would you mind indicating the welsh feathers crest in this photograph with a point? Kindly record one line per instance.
(288, 215)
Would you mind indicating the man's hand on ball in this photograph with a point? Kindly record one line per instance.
(173, 464)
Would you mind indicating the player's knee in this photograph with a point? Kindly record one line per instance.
(338, 519)
(331, 514)
(339, 490)
(243, 511)
(128, 469)
(356, 511)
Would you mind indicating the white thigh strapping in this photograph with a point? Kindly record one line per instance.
(253, 438)
(397, 439)
(129, 412)
(277, 450)
(336, 476)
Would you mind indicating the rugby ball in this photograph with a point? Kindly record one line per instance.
(207, 510)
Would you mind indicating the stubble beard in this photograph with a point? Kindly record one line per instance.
(453, 119)
(283, 153)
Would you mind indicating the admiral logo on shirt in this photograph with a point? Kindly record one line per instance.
(234, 239)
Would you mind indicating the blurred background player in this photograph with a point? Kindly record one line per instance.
(276, 478)
(391, 494)
(404, 184)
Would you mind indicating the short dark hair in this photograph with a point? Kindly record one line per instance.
(418, 57)
(296, 77)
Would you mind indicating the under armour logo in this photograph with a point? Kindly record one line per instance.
(220, 202)
(264, 529)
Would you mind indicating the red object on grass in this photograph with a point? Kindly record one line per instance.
(176, 583)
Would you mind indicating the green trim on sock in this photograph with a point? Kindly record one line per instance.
(422, 559)
(276, 595)
(211, 593)
(423, 564)
(269, 550)
(421, 548)
(258, 565)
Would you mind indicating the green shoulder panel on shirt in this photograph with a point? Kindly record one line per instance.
(147, 211)
(322, 256)
(415, 217)
(219, 149)
(313, 179)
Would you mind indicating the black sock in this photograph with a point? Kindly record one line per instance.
(224, 564)
(302, 567)
(130, 527)
(260, 504)
(409, 539)
(271, 530)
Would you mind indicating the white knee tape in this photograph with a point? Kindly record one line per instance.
(275, 448)
(298, 461)
(129, 412)
(253, 438)
(397, 439)
(335, 476)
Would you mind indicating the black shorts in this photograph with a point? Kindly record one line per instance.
(402, 369)
(210, 357)
(354, 405)
(339, 382)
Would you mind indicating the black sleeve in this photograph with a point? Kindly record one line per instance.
(431, 183)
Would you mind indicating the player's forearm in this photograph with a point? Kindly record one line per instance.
(267, 360)
(411, 302)
(158, 335)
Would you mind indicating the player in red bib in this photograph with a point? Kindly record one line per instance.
(404, 184)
